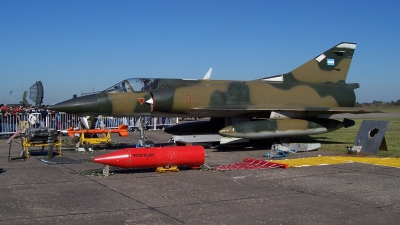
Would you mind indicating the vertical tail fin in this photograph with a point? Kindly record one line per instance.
(329, 67)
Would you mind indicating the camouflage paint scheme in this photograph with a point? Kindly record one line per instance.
(284, 105)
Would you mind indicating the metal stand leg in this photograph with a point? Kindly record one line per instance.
(9, 152)
(142, 128)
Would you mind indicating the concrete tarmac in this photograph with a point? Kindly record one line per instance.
(33, 192)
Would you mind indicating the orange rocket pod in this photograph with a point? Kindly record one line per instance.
(122, 130)
(192, 156)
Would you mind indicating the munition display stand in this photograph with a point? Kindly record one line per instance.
(93, 139)
(40, 137)
(90, 136)
(165, 169)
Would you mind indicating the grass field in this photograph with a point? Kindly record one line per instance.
(337, 141)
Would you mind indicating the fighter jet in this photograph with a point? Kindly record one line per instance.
(291, 104)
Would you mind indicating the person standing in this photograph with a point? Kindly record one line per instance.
(13, 118)
(4, 112)
(23, 118)
(33, 120)
(1, 117)
(53, 118)
(23, 113)
(43, 114)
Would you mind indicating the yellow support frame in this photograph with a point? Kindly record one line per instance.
(96, 140)
(167, 169)
(26, 144)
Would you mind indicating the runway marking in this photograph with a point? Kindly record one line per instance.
(331, 160)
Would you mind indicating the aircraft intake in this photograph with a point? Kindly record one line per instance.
(272, 128)
(161, 100)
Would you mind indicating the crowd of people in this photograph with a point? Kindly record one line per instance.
(12, 117)
(18, 117)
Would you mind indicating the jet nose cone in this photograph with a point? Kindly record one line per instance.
(84, 105)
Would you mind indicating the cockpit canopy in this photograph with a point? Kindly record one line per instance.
(134, 85)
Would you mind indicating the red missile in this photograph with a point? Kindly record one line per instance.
(193, 156)
(122, 130)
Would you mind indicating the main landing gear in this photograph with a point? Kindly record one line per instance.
(143, 142)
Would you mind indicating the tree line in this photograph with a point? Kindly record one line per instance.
(379, 103)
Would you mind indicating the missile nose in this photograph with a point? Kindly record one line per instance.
(85, 104)
(117, 159)
(227, 131)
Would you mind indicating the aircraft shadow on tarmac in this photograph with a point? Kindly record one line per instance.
(21, 157)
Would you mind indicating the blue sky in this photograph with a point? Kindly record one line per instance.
(77, 46)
